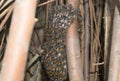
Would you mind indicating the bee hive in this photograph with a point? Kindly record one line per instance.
(54, 57)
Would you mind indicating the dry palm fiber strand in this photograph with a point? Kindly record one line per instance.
(54, 58)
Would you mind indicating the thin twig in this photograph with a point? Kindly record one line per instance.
(46, 15)
(97, 64)
(87, 32)
(46, 3)
(6, 17)
(1, 2)
(4, 12)
(2, 41)
(6, 3)
(40, 41)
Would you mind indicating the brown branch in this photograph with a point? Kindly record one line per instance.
(107, 39)
(21, 29)
(92, 47)
(87, 32)
(73, 49)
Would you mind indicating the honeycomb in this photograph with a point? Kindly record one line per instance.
(54, 58)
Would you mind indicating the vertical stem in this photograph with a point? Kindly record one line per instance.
(114, 69)
(86, 60)
(21, 28)
(46, 17)
(107, 41)
(83, 33)
(56, 2)
(61, 1)
(73, 49)
(93, 55)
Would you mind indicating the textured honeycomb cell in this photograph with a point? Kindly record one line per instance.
(54, 58)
